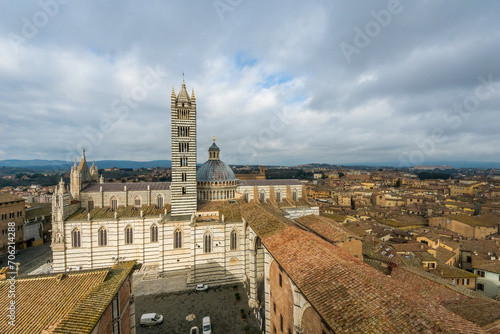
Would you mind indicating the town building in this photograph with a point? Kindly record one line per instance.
(97, 301)
(12, 215)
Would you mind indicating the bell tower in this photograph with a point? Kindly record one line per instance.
(183, 186)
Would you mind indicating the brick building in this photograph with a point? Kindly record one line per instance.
(12, 215)
(98, 301)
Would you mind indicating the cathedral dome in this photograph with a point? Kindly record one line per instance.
(215, 171)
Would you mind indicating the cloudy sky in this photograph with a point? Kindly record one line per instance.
(277, 82)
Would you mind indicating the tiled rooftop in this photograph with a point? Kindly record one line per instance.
(483, 220)
(43, 300)
(63, 303)
(230, 210)
(473, 306)
(278, 182)
(326, 228)
(121, 212)
(7, 198)
(131, 186)
(349, 295)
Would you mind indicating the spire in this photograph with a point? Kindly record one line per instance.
(173, 92)
(75, 162)
(192, 94)
(183, 94)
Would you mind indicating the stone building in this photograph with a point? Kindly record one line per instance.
(12, 214)
(190, 226)
(97, 301)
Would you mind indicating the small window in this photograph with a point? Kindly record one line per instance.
(154, 233)
(183, 177)
(129, 235)
(184, 192)
(207, 244)
(177, 239)
(75, 239)
(4, 216)
(281, 323)
(465, 281)
(281, 281)
(234, 240)
(90, 205)
(469, 259)
(103, 237)
(113, 203)
(137, 202)
(480, 286)
(274, 307)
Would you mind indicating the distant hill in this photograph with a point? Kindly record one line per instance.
(47, 165)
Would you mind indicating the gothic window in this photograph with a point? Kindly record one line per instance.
(113, 203)
(207, 243)
(184, 162)
(90, 204)
(177, 239)
(294, 196)
(234, 240)
(102, 237)
(129, 235)
(183, 177)
(183, 147)
(57, 200)
(137, 202)
(262, 197)
(183, 131)
(278, 197)
(75, 239)
(183, 114)
(154, 233)
(159, 201)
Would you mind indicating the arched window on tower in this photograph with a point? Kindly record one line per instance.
(159, 201)
(177, 239)
(129, 235)
(234, 240)
(75, 239)
(154, 233)
(207, 243)
(102, 237)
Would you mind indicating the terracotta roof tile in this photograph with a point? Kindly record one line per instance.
(131, 186)
(349, 295)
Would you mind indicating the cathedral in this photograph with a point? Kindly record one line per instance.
(191, 226)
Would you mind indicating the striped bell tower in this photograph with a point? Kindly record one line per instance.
(183, 186)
